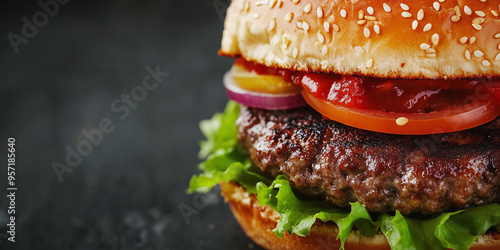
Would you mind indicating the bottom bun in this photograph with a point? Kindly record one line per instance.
(259, 221)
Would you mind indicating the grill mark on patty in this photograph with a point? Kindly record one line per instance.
(414, 174)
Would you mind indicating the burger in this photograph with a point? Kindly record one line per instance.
(360, 124)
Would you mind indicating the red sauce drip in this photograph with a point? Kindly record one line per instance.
(388, 95)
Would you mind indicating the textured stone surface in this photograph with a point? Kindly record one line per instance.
(126, 194)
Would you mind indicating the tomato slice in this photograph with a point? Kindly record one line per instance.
(454, 119)
(396, 106)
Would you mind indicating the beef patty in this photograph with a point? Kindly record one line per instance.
(413, 174)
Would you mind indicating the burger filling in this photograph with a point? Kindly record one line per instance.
(429, 181)
(416, 175)
(228, 161)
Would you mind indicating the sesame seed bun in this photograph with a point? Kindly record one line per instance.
(416, 39)
(258, 223)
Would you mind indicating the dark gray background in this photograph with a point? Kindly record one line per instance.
(126, 194)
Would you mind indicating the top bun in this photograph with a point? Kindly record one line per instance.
(414, 39)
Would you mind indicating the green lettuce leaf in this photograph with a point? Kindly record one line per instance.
(360, 218)
(220, 131)
(468, 224)
(226, 161)
(235, 172)
(398, 233)
(296, 216)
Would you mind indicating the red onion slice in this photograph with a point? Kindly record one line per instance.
(261, 100)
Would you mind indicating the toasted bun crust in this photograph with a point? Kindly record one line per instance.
(258, 223)
(414, 39)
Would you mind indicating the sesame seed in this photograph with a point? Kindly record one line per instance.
(435, 39)
(280, 3)
(404, 6)
(414, 24)
(319, 12)
(369, 64)
(494, 12)
(406, 14)
(361, 14)
(455, 18)
(436, 6)
(420, 14)
(366, 32)
(401, 121)
(430, 55)
(370, 10)
(467, 55)
(272, 3)
(335, 27)
(361, 22)
(326, 26)
(430, 51)
(289, 16)
(305, 25)
(486, 63)
(387, 8)
(321, 38)
(472, 39)
(441, 1)
(308, 8)
(343, 13)
(324, 50)
(299, 25)
(295, 1)
(467, 10)
(286, 41)
(477, 26)
(272, 24)
(260, 3)
(478, 20)
(480, 13)
(497, 57)
(498, 46)
(376, 28)
(478, 53)
(497, 35)
(359, 49)
(463, 40)
(424, 46)
(255, 15)
(458, 11)
(247, 6)
(427, 27)
(295, 52)
(370, 18)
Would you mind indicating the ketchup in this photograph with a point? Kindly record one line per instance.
(388, 95)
